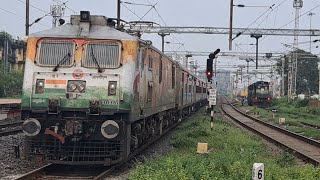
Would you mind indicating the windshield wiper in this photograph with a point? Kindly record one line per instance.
(95, 60)
(66, 57)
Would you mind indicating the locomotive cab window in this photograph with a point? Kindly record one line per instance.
(55, 52)
(102, 54)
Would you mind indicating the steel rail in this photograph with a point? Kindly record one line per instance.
(42, 171)
(11, 124)
(303, 147)
(310, 125)
(10, 132)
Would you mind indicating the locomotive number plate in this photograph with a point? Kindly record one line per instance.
(110, 102)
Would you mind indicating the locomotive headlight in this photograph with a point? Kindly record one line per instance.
(39, 86)
(72, 87)
(112, 88)
(81, 87)
(110, 129)
(31, 127)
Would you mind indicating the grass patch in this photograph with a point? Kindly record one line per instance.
(232, 156)
(308, 132)
(294, 112)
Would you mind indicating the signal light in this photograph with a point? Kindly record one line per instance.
(209, 70)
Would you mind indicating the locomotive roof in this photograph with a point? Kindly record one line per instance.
(95, 32)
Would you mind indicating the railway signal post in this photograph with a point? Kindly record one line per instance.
(212, 92)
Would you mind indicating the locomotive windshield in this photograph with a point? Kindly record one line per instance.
(262, 91)
(51, 52)
(102, 55)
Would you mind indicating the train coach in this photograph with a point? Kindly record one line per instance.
(93, 94)
(259, 94)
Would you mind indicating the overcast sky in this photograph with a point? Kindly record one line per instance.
(180, 13)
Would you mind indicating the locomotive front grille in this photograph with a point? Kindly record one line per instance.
(51, 52)
(106, 54)
(83, 152)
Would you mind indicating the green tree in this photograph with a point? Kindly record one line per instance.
(10, 83)
(307, 74)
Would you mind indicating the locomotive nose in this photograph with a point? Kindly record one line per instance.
(31, 127)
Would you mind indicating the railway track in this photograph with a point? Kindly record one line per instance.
(59, 171)
(10, 128)
(310, 125)
(68, 172)
(305, 148)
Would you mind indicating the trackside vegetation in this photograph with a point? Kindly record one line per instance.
(232, 153)
(10, 83)
(296, 113)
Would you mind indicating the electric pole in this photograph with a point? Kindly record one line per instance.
(311, 14)
(297, 4)
(231, 24)
(162, 39)
(118, 13)
(27, 17)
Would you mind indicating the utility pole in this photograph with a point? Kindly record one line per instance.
(282, 76)
(319, 81)
(297, 4)
(162, 38)
(118, 13)
(231, 24)
(257, 36)
(241, 67)
(311, 14)
(215, 68)
(27, 16)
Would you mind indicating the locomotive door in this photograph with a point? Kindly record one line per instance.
(142, 55)
(182, 89)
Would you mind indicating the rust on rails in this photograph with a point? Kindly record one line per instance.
(303, 147)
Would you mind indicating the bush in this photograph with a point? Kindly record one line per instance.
(10, 83)
(301, 103)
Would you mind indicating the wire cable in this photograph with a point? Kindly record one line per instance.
(138, 4)
(32, 6)
(154, 7)
(131, 11)
(288, 23)
(18, 16)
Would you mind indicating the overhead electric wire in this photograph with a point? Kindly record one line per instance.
(131, 11)
(288, 23)
(154, 7)
(11, 13)
(138, 4)
(18, 16)
(24, 2)
(265, 17)
(65, 4)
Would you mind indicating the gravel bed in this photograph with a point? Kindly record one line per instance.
(10, 166)
(159, 148)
